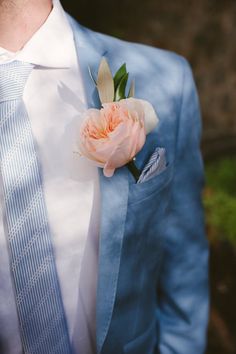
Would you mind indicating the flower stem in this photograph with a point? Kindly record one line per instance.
(133, 169)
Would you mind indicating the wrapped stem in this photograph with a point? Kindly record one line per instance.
(134, 170)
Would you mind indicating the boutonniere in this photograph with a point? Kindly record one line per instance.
(112, 136)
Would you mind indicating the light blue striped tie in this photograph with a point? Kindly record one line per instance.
(40, 309)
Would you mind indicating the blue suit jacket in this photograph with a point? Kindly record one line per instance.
(153, 280)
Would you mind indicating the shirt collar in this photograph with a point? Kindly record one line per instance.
(51, 45)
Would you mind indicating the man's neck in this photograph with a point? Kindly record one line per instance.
(20, 19)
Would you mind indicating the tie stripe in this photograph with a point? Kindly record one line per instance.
(38, 298)
(13, 77)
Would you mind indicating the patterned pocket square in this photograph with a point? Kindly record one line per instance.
(155, 165)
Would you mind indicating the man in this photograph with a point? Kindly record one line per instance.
(90, 264)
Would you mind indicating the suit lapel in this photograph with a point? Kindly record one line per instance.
(89, 57)
(114, 195)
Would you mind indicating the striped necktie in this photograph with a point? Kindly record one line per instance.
(40, 309)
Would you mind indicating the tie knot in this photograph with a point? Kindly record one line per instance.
(13, 77)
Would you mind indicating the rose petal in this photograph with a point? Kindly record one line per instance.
(108, 172)
(150, 117)
(112, 136)
(133, 105)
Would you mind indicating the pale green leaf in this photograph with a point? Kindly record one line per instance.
(105, 83)
(91, 75)
(132, 89)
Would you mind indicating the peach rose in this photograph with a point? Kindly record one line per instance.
(112, 136)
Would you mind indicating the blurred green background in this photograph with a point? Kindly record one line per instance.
(204, 31)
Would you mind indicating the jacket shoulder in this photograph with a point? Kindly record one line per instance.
(170, 62)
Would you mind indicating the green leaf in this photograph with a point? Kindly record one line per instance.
(119, 75)
(105, 83)
(120, 91)
(132, 89)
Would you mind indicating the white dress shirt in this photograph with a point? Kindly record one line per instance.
(54, 98)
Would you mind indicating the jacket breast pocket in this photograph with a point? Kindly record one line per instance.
(145, 343)
(141, 191)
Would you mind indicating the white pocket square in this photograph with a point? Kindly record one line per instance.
(155, 165)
